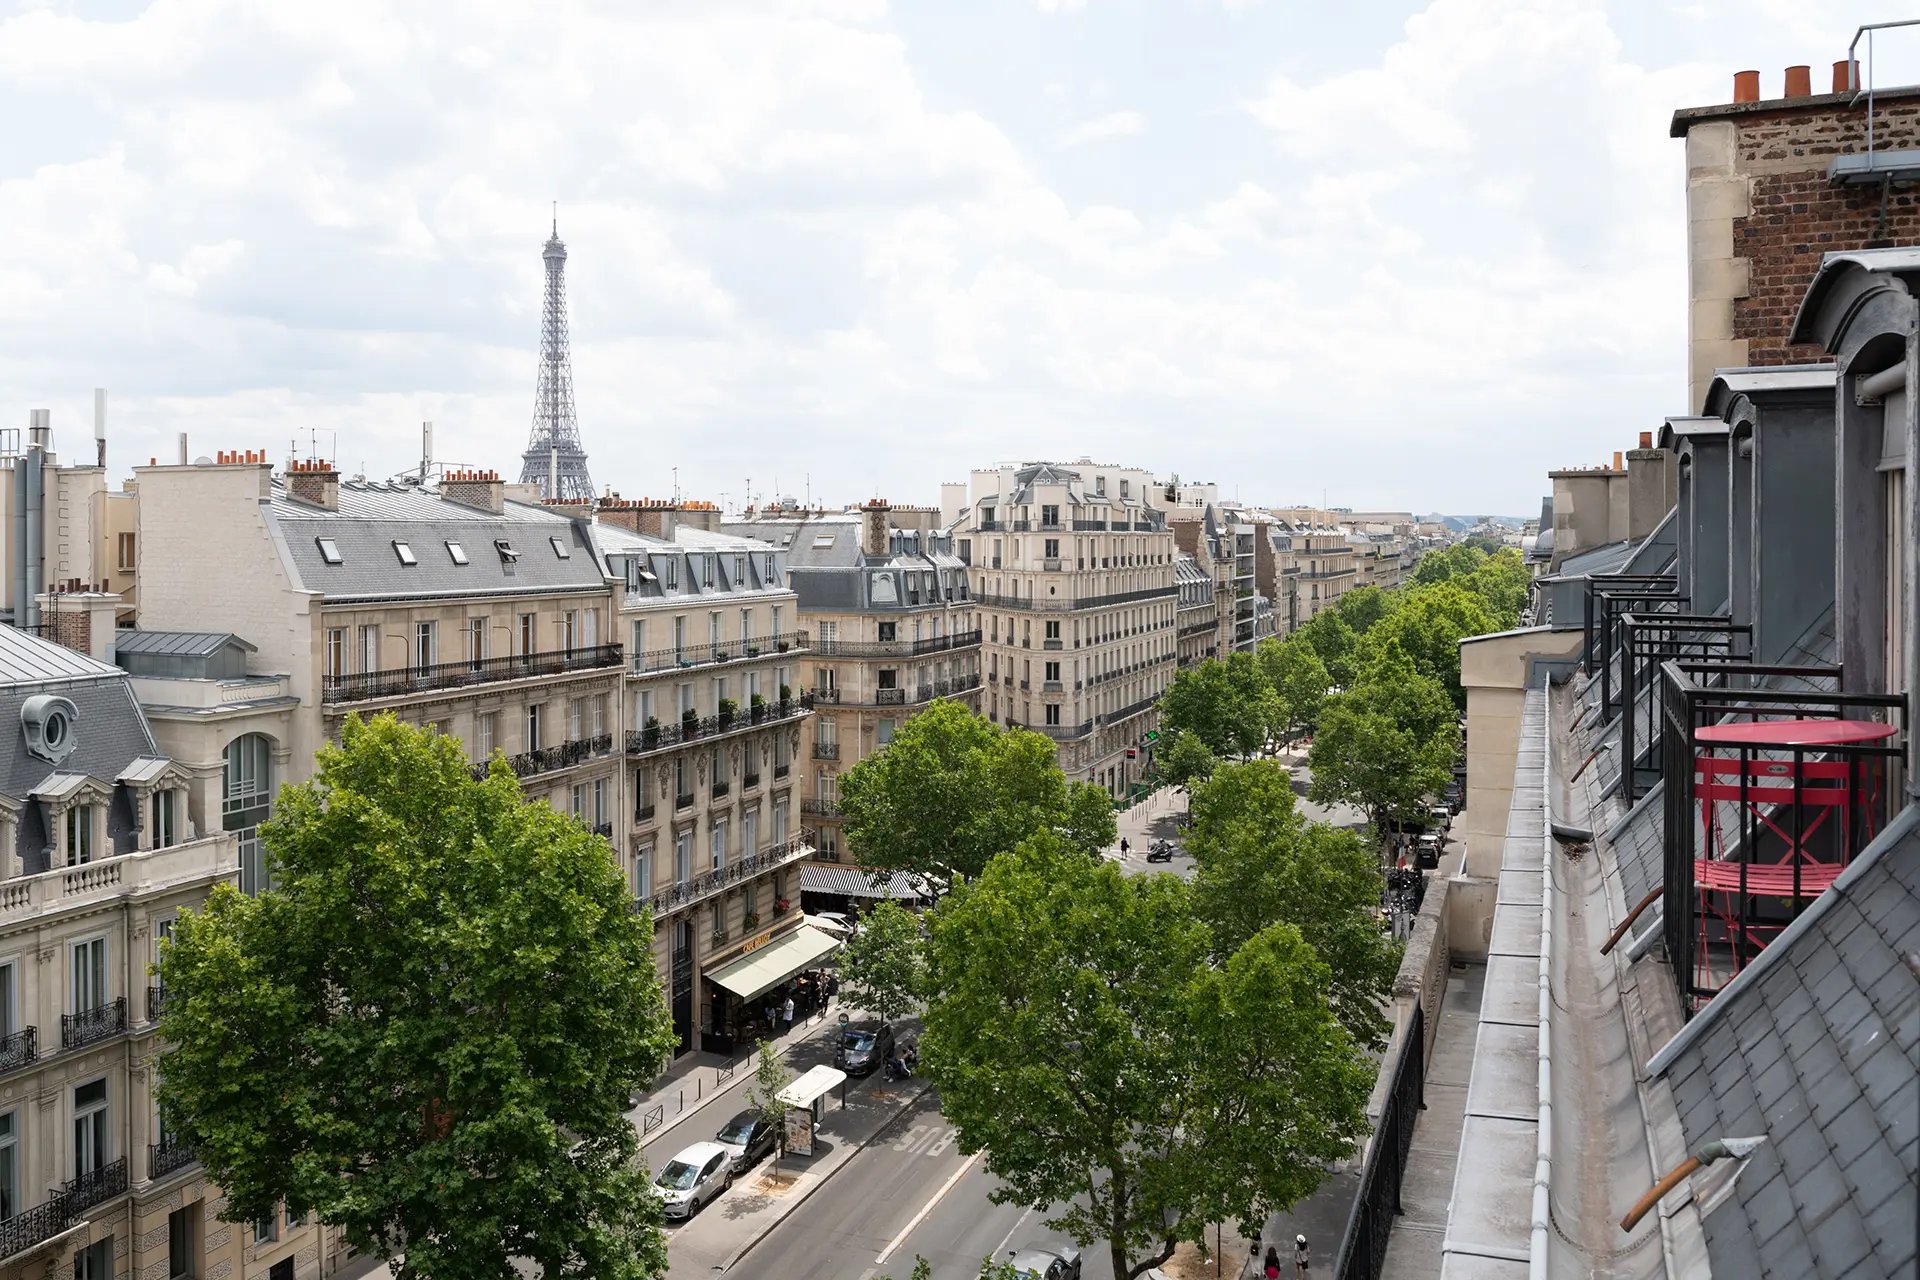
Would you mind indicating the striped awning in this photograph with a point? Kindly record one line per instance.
(857, 882)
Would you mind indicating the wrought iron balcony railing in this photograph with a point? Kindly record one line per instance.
(96, 1186)
(19, 1049)
(1051, 604)
(169, 1155)
(561, 755)
(662, 737)
(399, 681)
(708, 883)
(826, 751)
(90, 1026)
(709, 653)
(896, 648)
(30, 1227)
(156, 1003)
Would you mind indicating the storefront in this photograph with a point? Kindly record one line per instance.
(746, 994)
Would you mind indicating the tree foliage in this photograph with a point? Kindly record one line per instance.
(770, 1076)
(952, 790)
(1501, 584)
(1229, 706)
(1259, 861)
(1184, 759)
(1362, 756)
(1333, 642)
(1115, 1071)
(1447, 562)
(883, 967)
(1361, 607)
(427, 1034)
(1298, 677)
(1429, 626)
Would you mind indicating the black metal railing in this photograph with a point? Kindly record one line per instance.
(1758, 821)
(398, 681)
(826, 751)
(90, 1026)
(30, 1227)
(1611, 596)
(1050, 604)
(889, 697)
(156, 1003)
(1363, 1245)
(169, 1155)
(1646, 645)
(896, 648)
(561, 755)
(709, 883)
(709, 653)
(96, 1186)
(815, 807)
(19, 1049)
(659, 737)
(1114, 717)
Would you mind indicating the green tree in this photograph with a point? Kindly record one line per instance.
(1230, 707)
(1362, 756)
(1259, 861)
(952, 790)
(770, 1076)
(1115, 1071)
(1183, 758)
(1448, 562)
(1361, 607)
(1502, 585)
(428, 1032)
(1298, 677)
(883, 967)
(1391, 684)
(1429, 625)
(1334, 642)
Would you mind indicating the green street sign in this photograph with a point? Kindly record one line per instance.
(1153, 735)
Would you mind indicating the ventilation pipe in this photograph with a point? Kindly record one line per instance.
(100, 426)
(17, 549)
(183, 448)
(39, 437)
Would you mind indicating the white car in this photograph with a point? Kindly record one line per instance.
(694, 1177)
(833, 922)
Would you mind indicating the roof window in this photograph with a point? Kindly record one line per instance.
(405, 552)
(507, 554)
(560, 548)
(458, 552)
(329, 550)
(821, 541)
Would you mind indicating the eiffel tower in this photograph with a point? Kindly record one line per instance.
(554, 459)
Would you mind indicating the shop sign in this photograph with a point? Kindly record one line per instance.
(756, 943)
(799, 1122)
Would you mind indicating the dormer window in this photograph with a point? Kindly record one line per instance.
(507, 554)
(706, 568)
(405, 552)
(560, 548)
(458, 552)
(670, 570)
(329, 550)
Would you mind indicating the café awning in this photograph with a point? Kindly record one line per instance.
(753, 973)
(855, 882)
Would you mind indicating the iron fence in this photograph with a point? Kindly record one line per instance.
(90, 1026)
(168, 1156)
(349, 687)
(1646, 645)
(19, 1049)
(653, 1118)
(96, 1186)
(1363, 1246)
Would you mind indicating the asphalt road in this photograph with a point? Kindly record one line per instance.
(910, 1194)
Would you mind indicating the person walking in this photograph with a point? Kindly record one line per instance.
(1124, 846)
(1272, 1269)
(786, 1014)
(1301, 1258)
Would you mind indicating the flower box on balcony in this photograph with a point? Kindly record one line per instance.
(728, 710)
(782, 646)
(751, 920)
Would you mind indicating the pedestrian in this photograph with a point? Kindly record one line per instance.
(1124, 846)
(1272, 1270)
(786, 1013)
(1253, 1262)
(1300, 1258)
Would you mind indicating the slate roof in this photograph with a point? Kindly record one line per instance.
(373, 516)
(192, 644)
(27, 659)
(1816, 1046)
(831, 573)
(739, 564)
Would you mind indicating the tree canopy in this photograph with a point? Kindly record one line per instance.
(1259, 861)
(1115, 1071)
(1298, 677)
(1229, 706)
(882, 967)
(1183, 759)
(1429, 625)
(1362, 755)
(428, 1032)
(952, 790)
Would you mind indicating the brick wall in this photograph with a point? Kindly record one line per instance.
(1797, 216)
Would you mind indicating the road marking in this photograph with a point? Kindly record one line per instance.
(1024, 1215)
(925, 1209)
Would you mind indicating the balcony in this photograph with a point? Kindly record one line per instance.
(97, 1187)
(399, 682)
(1052, 604)
(34, 1226)
(1114, 717)
(66, 888)
(683, 802)
(720, 789)
(826, 751)
(562, 755)
(1053, 644)
(19, 1049)
(169, 1155)
(156, 1003)
(91, 1026)
(708, 883)
(1064, 732)
(663, 737)
(748, 781)
(814, 807)
(684, 657)
(1052, 686)
(896, 648)
(890, 697)
(1050, 564)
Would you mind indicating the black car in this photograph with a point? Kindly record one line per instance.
(863, 1048)
(747, 1137)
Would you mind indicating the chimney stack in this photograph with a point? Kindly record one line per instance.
(315, 483)
(1846, 73)
(1619, 461)
(874, 528)
(1799, 82)
(1746, 86)
(482, 489)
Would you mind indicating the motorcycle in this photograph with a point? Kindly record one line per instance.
(1160, 851)
(903, 1065)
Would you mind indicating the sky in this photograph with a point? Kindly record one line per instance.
(1372, 254)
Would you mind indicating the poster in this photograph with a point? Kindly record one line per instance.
(799, 1122)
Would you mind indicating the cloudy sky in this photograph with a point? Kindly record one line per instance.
(1399, 254)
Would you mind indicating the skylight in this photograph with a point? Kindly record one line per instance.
(822, 541)
(560, 548)
(507, 554)
(405, 552)
(458, 552)
(329, 550)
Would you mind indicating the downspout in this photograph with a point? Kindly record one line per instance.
(1542, 1215)
(17, 549)
(39, 435)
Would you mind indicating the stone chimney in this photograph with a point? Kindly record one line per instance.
(1651, 487)
(875, 529)
(648, 516)
(481, 489)
(81, 618)
(699, 515)
(315, 483)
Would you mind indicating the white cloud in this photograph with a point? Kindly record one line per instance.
(1114, 124)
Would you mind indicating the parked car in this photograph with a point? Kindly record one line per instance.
(1046, 1262)
(693, 1178)
(1426, 852)
(747, 1137)
(833, 922)
(1441, 817)
(863, 1048)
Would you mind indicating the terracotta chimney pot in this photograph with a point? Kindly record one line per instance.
(1746, 86)
(1843, 75)
(1799, 82)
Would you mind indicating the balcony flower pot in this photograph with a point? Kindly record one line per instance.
(780, 907)
(753, 651)
(650, 735)
(721, 655)
(785, 693)
(689, 723)
(751, 920)
(782, 646)
(728, 709)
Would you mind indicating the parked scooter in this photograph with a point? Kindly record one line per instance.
(904, 1063)
(1160, 851)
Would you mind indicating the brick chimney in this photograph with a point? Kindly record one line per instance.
(315, 483)
(875, 524)
(81, 618)
(481, 489)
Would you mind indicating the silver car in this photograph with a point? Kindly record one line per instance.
(1046, 1262)
(694, 1177)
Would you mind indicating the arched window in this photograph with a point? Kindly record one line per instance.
(246, 798)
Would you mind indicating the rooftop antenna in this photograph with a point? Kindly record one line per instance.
(676, 486)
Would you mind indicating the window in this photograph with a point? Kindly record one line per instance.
(329, 550)
(889, 678)
(670, 570)
(1052, 549)
(750, 835)
(89, 974)
(569, 630)
(686, 698)
(746, 626)
(706, 570)
(369, 649)
(283, 1269)
(1053, 672)
(486, 734)
(580, 814)
(336, 654)
(748, 898)
(720, 776)
(9, 1164)
(773, 629)
(1100, 486)
(637, 643)
(95, 1261)
(79, 834)
(719, 844)
(682, 782)
(533, 726)
(456, 552)
(125, 545)
(739, 571)
(889, 631)
(1052, 710)
(683, 857)
(1049, 515)
(405, 552)
(9, 1009)
(426, 646)
(713, 630)
(643, 873)
(1125, 489)
(560, 548)
(822, 541)
(266, 1229)
(476, 640)
(599, 802)
(590, 627)
(183, 1242)
(89, 1128)
(529, 635)
(161, 806)
(507, 554)
(780, 823)
(576, 718)
(883, 732)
